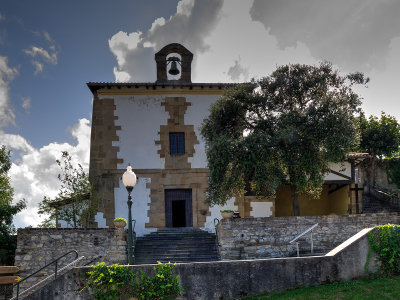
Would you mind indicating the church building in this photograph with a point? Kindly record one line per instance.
(154, 127)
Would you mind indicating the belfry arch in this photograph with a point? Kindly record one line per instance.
(185, 63)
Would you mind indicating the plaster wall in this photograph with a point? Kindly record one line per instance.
(261, 209)
(101, 221)
(344, 168)
(195, 115)
(140, 117)
(140, 205)
(216, 214)
(335, 203)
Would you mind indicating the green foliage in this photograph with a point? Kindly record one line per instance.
(116, 281)
(393, 170)
(227, 211)
(119, 219)
(284, 128)
(366, 289)
(110, 282)
(380, 136)
(7, 210)
(386, 243)
(72, 203)
(8, 244)
(163, 285)
(6, 191)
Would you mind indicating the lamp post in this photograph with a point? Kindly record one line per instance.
(129, 181)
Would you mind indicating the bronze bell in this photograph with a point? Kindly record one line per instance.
(174, 69)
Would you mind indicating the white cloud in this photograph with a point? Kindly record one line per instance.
(40, 52)
(40, 55)
(26, 103)
(47, 36)
(122, 42)
(382, 94)
(38, 66)
(34, 174)
(7, 74)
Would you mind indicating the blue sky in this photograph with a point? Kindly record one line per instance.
(79, 33)
(50, 49)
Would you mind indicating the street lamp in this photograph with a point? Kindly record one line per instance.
(129, 181)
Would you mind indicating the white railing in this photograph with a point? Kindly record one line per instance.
(300, 235)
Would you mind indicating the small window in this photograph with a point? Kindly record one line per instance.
(177, 143)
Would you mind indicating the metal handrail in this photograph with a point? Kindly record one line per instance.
(300, 235)
(382, 195)
(216, 239)
(50, 263)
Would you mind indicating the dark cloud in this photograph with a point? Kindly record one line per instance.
(351, 33)
(191, 24)
(237, 71)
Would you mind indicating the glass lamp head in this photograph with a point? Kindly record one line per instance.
(129, 178)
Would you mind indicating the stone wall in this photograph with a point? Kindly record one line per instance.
(251, 238)
(37, 247)
(234, 279)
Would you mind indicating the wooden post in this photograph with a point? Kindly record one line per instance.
(7, 279)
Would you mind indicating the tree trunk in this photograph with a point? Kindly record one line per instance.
(295, 201)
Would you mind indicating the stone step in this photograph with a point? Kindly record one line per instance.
(152, 261)
(176, 245)
(173, 245)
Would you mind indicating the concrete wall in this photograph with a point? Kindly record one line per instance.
(37, 247)
(233, 279)
(253, 238)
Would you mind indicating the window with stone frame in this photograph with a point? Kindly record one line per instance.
(177, 143)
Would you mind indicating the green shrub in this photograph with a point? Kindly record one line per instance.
(386, 243)
(163, 285)
(116, 281)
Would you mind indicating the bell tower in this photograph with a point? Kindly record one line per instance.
(175, 60)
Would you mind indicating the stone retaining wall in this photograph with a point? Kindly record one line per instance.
(251, 238)
(38, 246)
(234, 279)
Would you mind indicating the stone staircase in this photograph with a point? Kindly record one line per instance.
(372, 204)
(176, 245)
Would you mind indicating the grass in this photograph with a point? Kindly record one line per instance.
(377, 288)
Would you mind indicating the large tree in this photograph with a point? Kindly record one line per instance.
(285, 128)
(7, 210)
(380, 137)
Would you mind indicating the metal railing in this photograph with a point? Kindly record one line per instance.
(55, 261)
(216, 222)
(392, 200)
(300, 235)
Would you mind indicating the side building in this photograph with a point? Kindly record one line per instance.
(154, 127)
